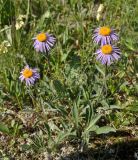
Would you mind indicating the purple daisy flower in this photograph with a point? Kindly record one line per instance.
(29, 75)
(107, 54)
(104, 35)
(43, 42)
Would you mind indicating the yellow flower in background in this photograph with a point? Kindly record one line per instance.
(20, 21)
(4, 46)
(21, 17)
(100, 8)
(99, 12)
(19, 25)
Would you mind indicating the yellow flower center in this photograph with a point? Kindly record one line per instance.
(105, 31)
(41, 37)
(107, 49)
(27, 73)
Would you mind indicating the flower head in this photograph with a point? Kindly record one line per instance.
(29, 75)
(107, 54)
(104, 35)
(43, 42)
(99, 12)
(4, 46)
(20, 22)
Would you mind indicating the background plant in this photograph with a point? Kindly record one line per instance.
(71, 101)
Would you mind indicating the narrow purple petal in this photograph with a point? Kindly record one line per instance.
(30, 80)
(99, 39)
(108, 58)
(46, 46)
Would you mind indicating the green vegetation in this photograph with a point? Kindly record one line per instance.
(77, 97)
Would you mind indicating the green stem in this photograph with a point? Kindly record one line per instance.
(48, 58)
(19, 103)
(105, 80)
(27, 13)
(31, 96)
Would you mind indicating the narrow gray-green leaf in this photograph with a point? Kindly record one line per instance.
(133, 107)
(105, 129)
(92, 128)
(93, 121)
(100, 70)
(4, 128)
(75, 114)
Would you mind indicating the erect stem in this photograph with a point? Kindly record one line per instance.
(48, 58)
(105, 80)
